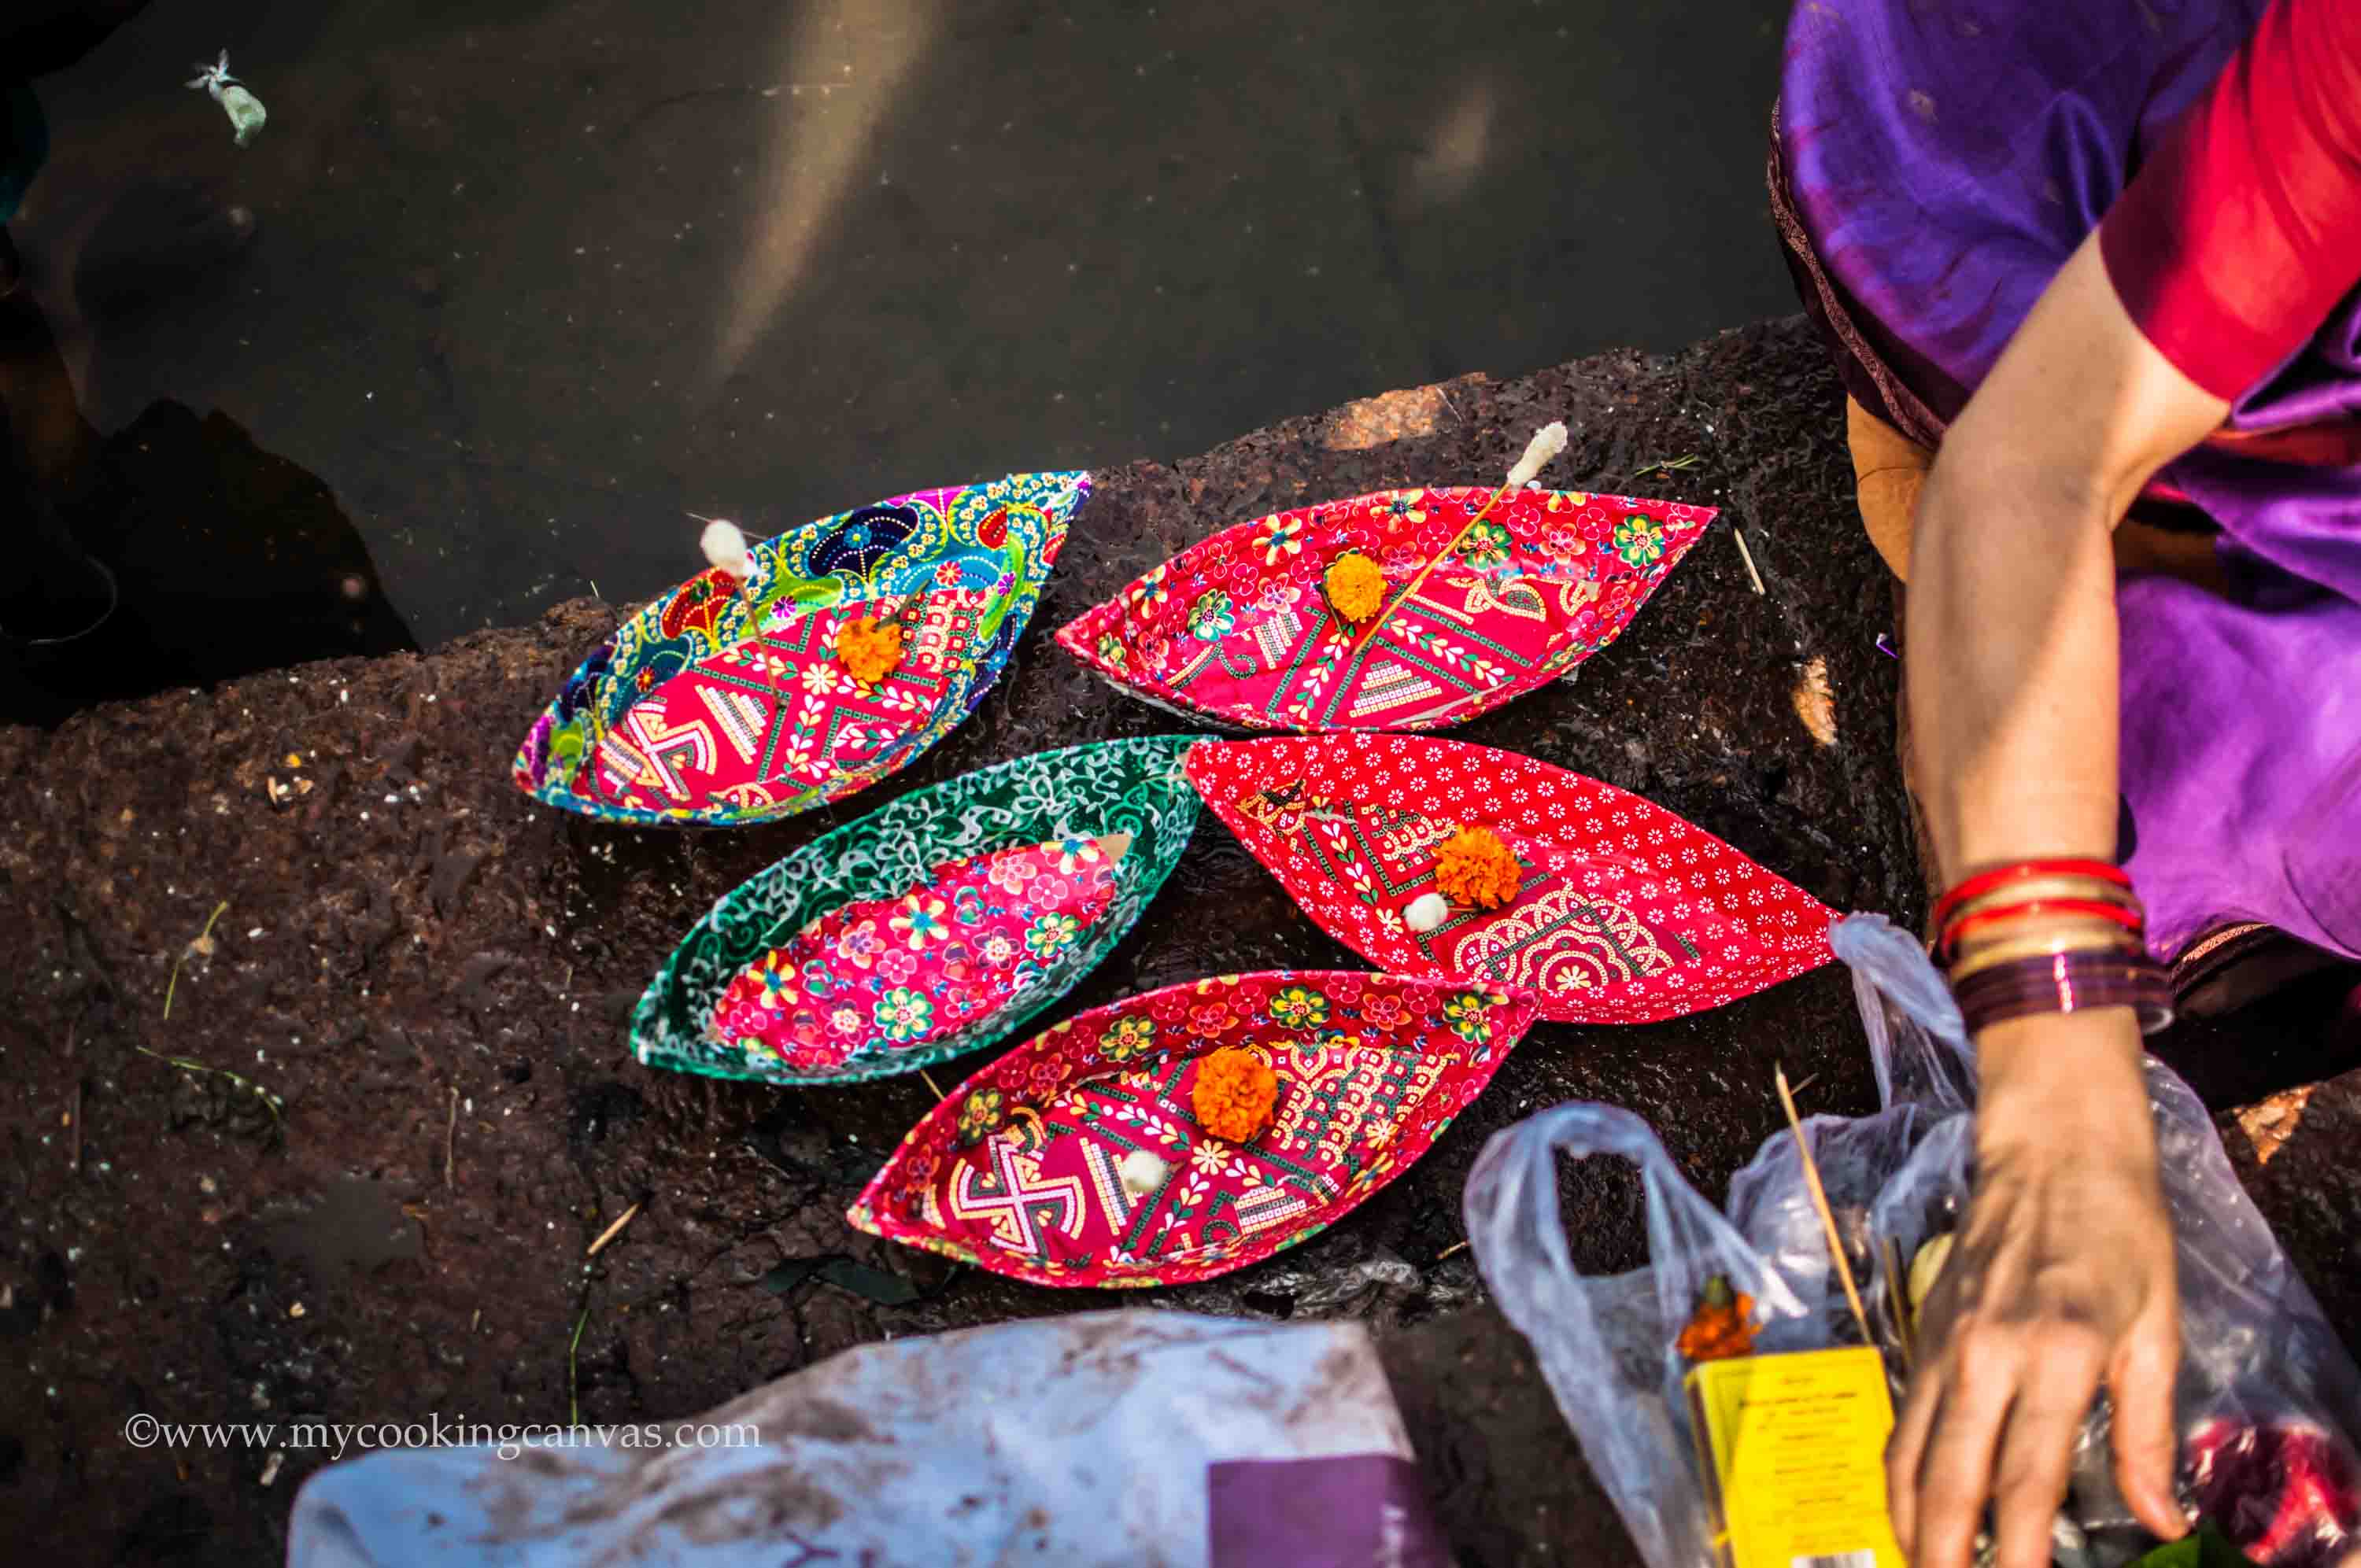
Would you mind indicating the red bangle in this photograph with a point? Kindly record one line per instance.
(2122, 915)
(1984, 881)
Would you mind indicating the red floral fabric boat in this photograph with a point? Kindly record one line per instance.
(1625, 914)
(1078, 1159)
(1239, 626)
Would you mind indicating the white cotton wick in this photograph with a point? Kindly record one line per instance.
(725, 547)
(1426, 913)
(1142, 1172)
(1546, 443)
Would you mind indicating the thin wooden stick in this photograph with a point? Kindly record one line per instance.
(1432, 562)
(730, 555)
(611, 1232)
(74, 1116)
(1748, 556)
(1820, 1202)
(451, 1140)
(1458, 1246)
(931, 1083)
(1897, 1294)
(1546, 443)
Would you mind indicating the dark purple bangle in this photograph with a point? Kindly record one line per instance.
(2066, 983)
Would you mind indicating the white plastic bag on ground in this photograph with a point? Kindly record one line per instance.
(2269, 1404)
(1134, 1437)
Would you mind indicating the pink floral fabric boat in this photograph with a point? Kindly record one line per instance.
(922, 967)
(1239, 626)
(1078, 1159)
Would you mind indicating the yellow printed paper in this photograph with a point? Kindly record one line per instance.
(1795, 1448)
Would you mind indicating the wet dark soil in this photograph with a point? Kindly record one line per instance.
(354, 1173)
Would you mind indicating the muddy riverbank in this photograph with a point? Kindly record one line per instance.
(353, 1173)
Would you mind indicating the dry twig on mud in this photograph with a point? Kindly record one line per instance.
(1748, 556)
(611, 1232)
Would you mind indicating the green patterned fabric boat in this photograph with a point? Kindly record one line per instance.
(937, 925)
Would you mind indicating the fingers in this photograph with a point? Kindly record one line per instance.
(1922, 1406)
(1954, 1477)
(2146, 1450)
(1906, 1447)
(1995, 1418)
(2037, 1455)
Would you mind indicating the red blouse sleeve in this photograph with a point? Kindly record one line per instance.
(2232, 245)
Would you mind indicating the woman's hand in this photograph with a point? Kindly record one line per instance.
(2061, 1278)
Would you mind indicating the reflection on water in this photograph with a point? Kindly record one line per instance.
(810, 162)
(527, 281)
(175, 551)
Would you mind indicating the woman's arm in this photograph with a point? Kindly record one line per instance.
(2013, 682)
(2063, 1275)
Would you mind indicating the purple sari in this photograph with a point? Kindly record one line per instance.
(1934, 164)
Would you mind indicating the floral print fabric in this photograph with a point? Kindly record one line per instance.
(1239, 626)
(936, 924)
(1626, 913)
(1019, 1169)
(724, 703)
(894, 972)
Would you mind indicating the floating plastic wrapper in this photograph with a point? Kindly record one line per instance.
(244, 110)
(2269, 1403)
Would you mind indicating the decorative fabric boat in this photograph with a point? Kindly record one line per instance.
(937, 925)
(721, 705)
(1078, 1158)
(1612, 911)
(1245, 626)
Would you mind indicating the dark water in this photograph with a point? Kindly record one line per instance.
(521, 281)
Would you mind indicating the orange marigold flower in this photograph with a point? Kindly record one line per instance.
(868, 650)
(1723, 1326)
(1473, 868)
(1233, 1095)
(1355, 586)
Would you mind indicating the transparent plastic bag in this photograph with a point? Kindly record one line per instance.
(1115, 1438)
(2268, 1399)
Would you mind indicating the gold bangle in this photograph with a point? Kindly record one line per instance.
(2085, 887)
(2088, 938)
(2038, 923)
